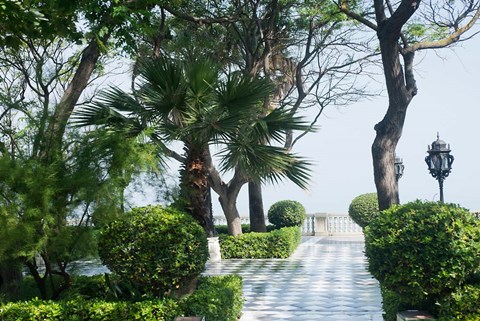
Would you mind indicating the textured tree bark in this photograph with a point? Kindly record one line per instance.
(229, 206)
(195, 188)
(227, 195)
(53, 136)
(401, 89)
(256, 212)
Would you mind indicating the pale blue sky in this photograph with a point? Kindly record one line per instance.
(448, 101)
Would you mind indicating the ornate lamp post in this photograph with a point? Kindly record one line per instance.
(439, 162)
(399, 167)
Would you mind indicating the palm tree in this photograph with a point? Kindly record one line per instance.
(194, 103)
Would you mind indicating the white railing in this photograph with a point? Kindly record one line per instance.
(316, 224)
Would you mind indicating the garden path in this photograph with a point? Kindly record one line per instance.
(325, 279)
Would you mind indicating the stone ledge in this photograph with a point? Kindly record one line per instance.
(412, 315)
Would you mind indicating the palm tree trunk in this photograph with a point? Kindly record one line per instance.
(195, 190)
(256, 212)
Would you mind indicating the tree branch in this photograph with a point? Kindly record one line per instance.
(344, 8)
(451, 39)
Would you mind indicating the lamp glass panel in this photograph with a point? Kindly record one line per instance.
(444, 162)
(437, 162)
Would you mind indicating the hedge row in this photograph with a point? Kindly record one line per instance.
(275, 244)
(218, 298)
(426, 256)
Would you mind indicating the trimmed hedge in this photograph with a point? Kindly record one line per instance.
(364, 208)
(156, 249)
(90, 310)
(218, 298)
(275, 244)
(422, 253)
(287, 213)
(223, 229)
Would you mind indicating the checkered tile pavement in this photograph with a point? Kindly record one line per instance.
(325, 279)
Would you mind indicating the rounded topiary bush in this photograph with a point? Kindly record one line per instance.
(286, 213)
(423, 250)
(156, 249)
(364, 208)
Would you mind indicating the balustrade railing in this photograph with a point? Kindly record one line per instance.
(316, 224)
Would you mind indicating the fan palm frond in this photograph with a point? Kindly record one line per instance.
(269, 163)
(163, 89)
(276, 124)
(115, 110)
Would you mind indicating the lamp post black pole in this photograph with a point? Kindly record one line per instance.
(439, 162)
(440, 184)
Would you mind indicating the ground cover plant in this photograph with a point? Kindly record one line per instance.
(425, 255)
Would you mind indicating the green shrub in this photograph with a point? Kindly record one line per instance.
(91, 310)
(156, 249)
(275, 244)
(423, 250)
(393, 302)
(217, 298)
(87, 287)
(462, 304)
(286, 213)
(364, 208)
(223, 229)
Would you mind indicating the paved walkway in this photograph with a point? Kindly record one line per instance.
(325, 279)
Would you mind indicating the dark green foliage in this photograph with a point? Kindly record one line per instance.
(287, 213)
(156, 249)
(364, 208)
(216, 298)
(88, 287)
(462, 304)
(223, 229)
(393, 302)
(275, 244)
(423, 251)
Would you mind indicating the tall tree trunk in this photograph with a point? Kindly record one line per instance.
(53, 136)
(256, 212)
(401, 89)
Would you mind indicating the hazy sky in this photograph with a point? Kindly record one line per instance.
(448, 101)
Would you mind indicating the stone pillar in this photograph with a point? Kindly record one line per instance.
(321, 224)
(214, 250)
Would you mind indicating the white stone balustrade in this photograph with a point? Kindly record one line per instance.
(317, 224)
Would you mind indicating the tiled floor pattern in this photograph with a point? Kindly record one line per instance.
(325, 279)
